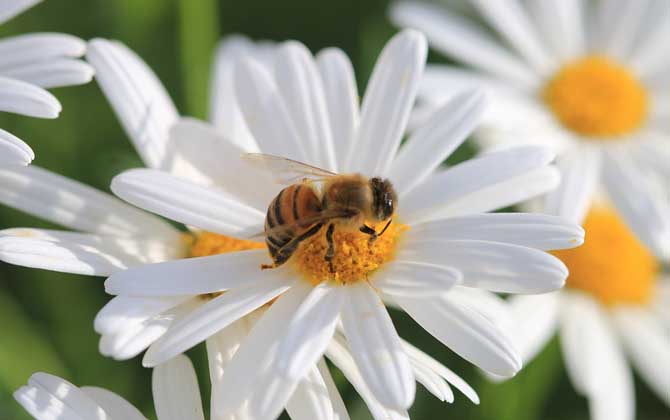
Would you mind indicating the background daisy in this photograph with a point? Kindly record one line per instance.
(29, 63)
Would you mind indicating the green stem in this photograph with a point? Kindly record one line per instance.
(198, 33)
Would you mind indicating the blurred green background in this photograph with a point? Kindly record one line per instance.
(47, 317)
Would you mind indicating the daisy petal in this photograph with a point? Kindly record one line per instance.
(249, 376)
(123, 311)
(52, 73)
(466, 332)
(115, 406)
(298, 81)
(224, 113)
(265, 112)
(340, 355)
(12, 8)
(23, 98)
(619, 33)
(493, 266)
(310, 399)
(191, 276)
(416, 279)
(388, 100)
(138, 98)
(183, 201)
(66, 202)
(48, 397)
(539, 231)
(462, 39)
(376, 347)
(650, 57)
(221, 347)
(176, 391)
(562, 24)
(648, 344)
(339, 409)
(134, 338)
(512, 22)
(580, 175)
(214, 316)
(13, 151)
(594, 359)
(339, 83)
(491, 181)
(637, 198)
(309, 331)
(38, 47)
(435, 140)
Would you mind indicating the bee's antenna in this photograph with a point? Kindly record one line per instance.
(385, 227)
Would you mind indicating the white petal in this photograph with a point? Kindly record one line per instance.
(66, 202)
(534, 322)
(435, 140)
(488, 304)
(640, 201)
(13, 151)
(176, 391)
(249, 377)
(650, 57)
(309, 331)
(562, 24)
(339, 353)
(419, 357)
(464, 40)
(224, 112)
(511, 21)
(539, 231)
(661, 296)
(481, 184)
(416, 279)
(191, 276)
(464, 331)
(339, 83)
(620, 32)
(219, 160)
(12, 8)
(648, 344)
(38, 47)
(376, 347)
(48, 397)
(23, 98)
(115, 406)
(207, 208)
(52, 73)
(494, 266)
(339, 409)
(265, 113)
(123, 311)
(594, 359)
(388, 100)
(215, 315)
(580, 175)
(299, 82)
(310, 400)
(138, 98)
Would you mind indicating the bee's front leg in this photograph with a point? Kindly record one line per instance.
(369, 231)
(330, 253)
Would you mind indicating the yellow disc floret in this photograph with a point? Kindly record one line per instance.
(596, 97)
(355, 258)
(204, 244)
(612, 265)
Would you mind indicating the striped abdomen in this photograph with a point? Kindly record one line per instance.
(293, 203)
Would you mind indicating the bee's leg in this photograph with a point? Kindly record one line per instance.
(331, 247)
(369, 231)
(284, 253)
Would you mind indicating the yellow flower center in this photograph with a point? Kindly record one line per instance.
(355, 257)
(596, 97)
(207, 243)
(612, 265)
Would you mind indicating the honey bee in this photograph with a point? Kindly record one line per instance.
(301, 210)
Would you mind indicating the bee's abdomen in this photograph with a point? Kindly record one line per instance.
(293, 203)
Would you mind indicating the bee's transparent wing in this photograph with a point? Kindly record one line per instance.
(286, 171)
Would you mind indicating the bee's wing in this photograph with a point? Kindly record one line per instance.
(308, 222)
(286, 171)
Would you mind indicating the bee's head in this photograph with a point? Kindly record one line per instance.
(384, 198)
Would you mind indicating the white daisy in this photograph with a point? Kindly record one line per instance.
(112, 236)
(175, 390)
(613, 308)
(592, 82)
(29, 63)
(431, 266)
